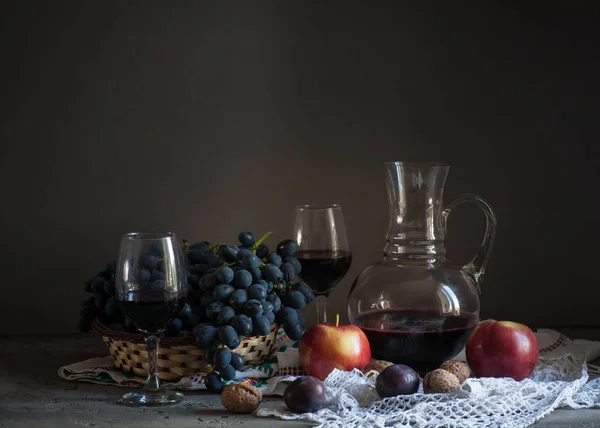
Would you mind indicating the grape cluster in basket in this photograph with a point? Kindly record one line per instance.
(234, 291)
(243, 289)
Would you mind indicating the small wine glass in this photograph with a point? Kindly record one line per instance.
(323, 250)
(151, 287)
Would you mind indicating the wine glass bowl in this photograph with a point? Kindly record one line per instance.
(151, 286)
(323, 250)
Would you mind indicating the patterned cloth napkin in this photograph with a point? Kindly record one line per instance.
(282, 365)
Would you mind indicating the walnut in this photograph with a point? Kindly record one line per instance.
(457, 368)
(241, 398)
(440, 380)
(377, 365)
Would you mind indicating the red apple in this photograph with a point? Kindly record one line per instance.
(502, 349)
(327, 346)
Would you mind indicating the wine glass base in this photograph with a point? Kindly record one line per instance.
(145, 398)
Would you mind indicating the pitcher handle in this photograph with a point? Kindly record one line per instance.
(476, 267)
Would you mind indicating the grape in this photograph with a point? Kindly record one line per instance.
(193, 280)
(294, 299)
(191, 321)
(242, 324)
(397, 380)
(213, 310)
(288, 270)
(272, 273)
(286, 247)
(117, 327)
(203, 246)
(243, 253)
(242, 279)
(210, 270)
(264, 283)
(247, 238)
(262, 251)
(208, 282)
(149, 261)
(88, 309)
(228, 336)
(267, 306)
(174, 326)
(257, 291)
(208, 259)
(100, 299)
(227, 372)
(97, 284)
(270, 316)
(110, 309)
(216, 263)
(260, 325)
(253, 308)
(111, 268)
(275, 301)
(308, 293)
(294, 262)
(237, 361)
(305, 395)
(209, 353)
(198, 269)
(250, 261)
(161, 265)
(301, 319)
(109, 288)
(288, 317)
(238, 299)
(158, 284)
(157, 248)
(295, 332)
(206, 336)
(226, 315)
(256, 274)
(274, 259)
(225, 275)
(228, 252)
(205, 301)
(213, 382)
(222, 358)
(222, 292)
(143, 275)
(156, 274)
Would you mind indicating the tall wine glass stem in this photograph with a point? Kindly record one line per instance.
(153, 380)
(321, 308)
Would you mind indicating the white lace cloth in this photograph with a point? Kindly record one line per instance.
(486, 402)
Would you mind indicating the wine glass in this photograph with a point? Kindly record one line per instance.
(323, 250)
(151, 287)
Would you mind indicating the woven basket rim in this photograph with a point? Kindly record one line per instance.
(139, 337)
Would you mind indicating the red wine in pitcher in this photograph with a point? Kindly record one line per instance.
(323, 269)
(421, 339)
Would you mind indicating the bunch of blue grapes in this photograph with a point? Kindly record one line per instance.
(241, 290)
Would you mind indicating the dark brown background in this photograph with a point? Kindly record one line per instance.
(211, 117)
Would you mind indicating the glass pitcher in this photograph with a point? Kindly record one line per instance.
(413, 305)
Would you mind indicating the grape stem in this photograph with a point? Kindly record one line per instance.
(260, 241)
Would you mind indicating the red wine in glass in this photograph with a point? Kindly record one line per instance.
(323, 269)
(151, 310)
(419, 338)
(323, 250)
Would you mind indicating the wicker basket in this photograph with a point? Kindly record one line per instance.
(177, 357)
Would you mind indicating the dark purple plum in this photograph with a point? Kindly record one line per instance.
(397, 380)
(305, 395)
